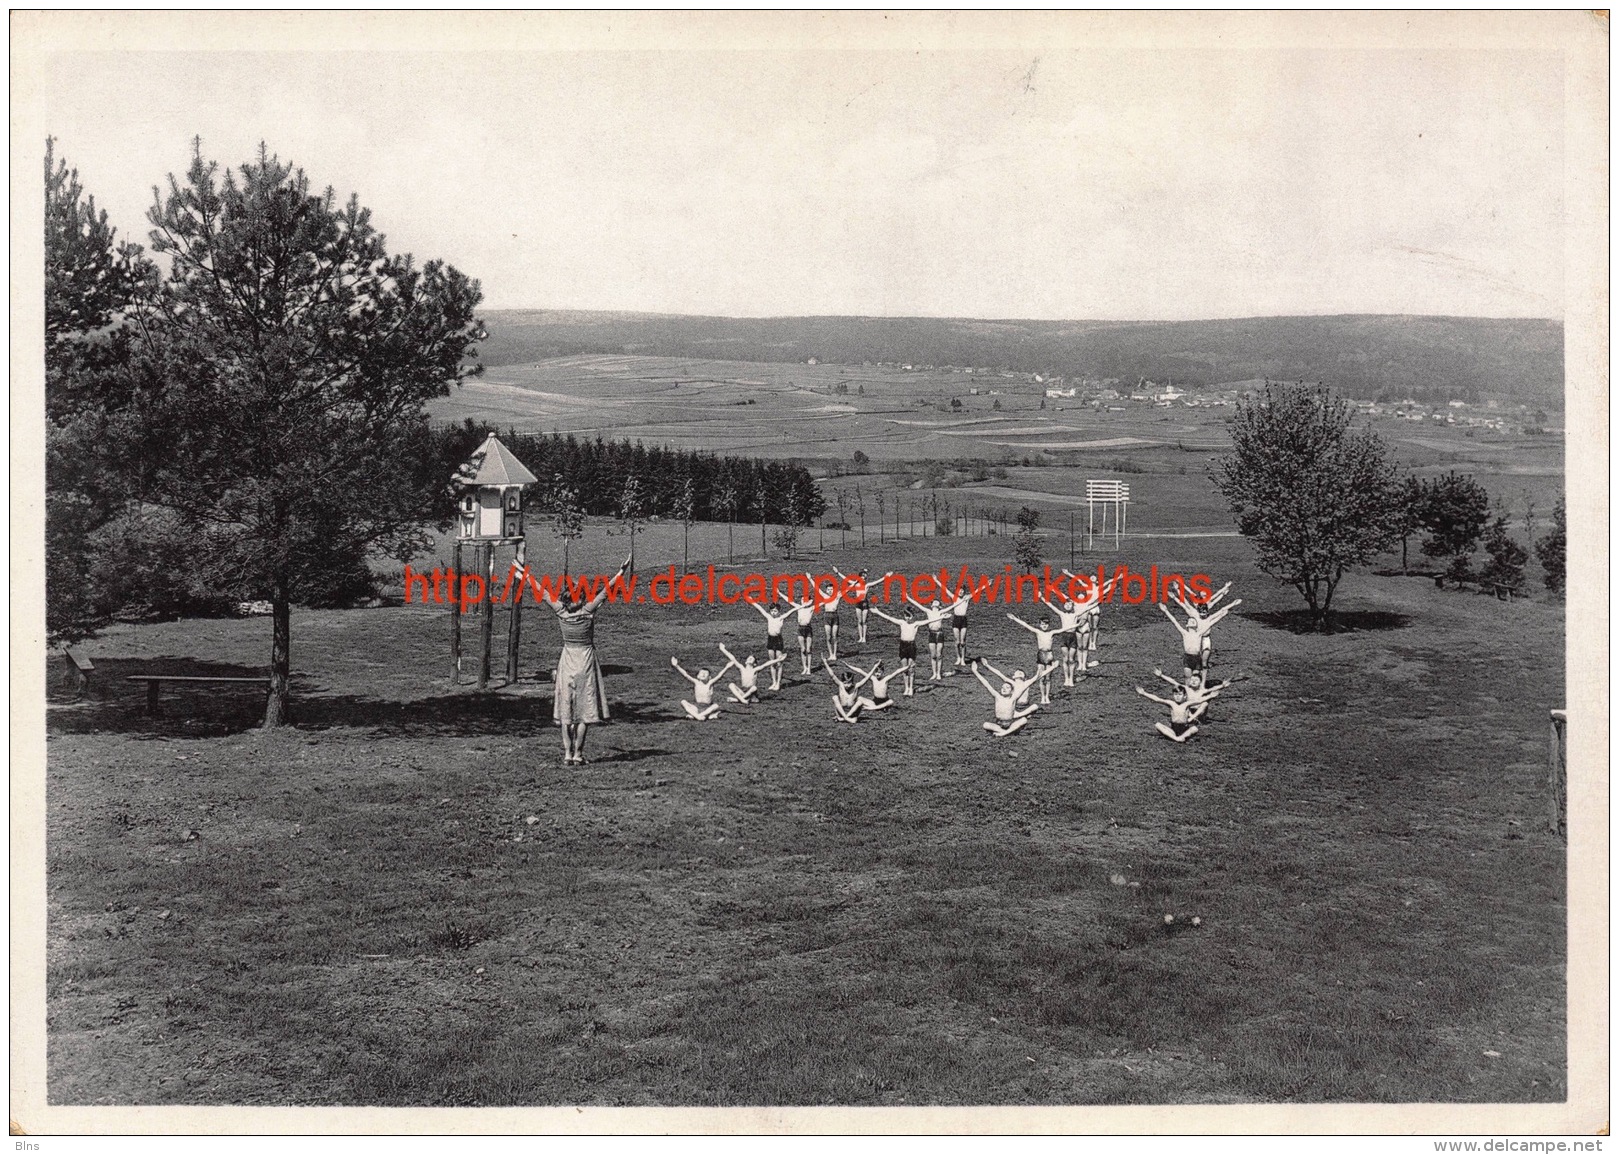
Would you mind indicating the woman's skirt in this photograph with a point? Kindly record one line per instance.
(579, 695)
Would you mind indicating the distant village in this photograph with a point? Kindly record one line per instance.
(1114, 395)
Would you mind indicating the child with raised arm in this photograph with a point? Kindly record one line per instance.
(746, 688)
(1196, 687)
(1090, 601)
(1008, 718)
(1198, 690)
(1019, 683)
(1068, 618)
(934, 616)
(831, 596)
(846, 702)
(1195, 646)
(702, 687)
(1183, 715)
(1205, 622)
(806, 635)
(1043, 636)
(958, 622)
(879, 699)
(774, 645)
(857, 592)
(908, 625)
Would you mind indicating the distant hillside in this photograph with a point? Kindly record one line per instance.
(1429, 358)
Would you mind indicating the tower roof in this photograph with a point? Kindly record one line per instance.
(494, 464)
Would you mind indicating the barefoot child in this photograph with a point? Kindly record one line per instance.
(773, 639)
(1198, 690)
(1068, 618)
(831, 596)
(806, 635)
(1019, 683)
(1195, 642)
(857, 592)
(958, 622)
(1182, 715)
(1008, 718)
(746, 688)
(702, 688)
(846, 702)
(934, 616)
(879, 699)
(1205, 623)
(908, 626)
(1043, 637)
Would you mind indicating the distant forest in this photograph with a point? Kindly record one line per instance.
(1368, 357)
(722, 488)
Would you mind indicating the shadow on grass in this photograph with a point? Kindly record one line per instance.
(1352, 621)
(630, 755)
(113, 704)
(116, 705)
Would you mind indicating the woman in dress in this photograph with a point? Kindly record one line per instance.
(579, 696)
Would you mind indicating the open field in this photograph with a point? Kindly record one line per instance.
(904, 418)
(404, 899)
(1519, 358)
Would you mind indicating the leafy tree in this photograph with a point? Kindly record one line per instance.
(686, 510)
(567, 516)
(1411, 502)
(727, 501)
(632, 508)
(288, 359)
(1454, 513)
(1026, 545)
(786, 538)
(1552, 550)
(1507, 557)
(1314, 496)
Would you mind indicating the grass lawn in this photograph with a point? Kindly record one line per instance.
(405, 899)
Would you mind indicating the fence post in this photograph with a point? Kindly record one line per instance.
(1557, 775)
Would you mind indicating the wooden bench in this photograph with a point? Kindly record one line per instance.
(155, 681)
(79, 670)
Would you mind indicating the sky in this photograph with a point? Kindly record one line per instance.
(1130, 183)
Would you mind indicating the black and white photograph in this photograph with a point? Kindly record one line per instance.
(1011, 564)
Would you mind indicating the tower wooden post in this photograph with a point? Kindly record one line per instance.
(514, 633)
(455, 614)
(486, 627)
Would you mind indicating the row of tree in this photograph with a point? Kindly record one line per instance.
(629, 479)
(1317, 497)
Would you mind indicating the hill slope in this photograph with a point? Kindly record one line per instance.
(1431, 358)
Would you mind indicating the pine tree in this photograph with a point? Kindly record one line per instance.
(1552, 550)
(1026, 545)
(93, 288)
(289, 357)
(1507, 558)
(1455, 511)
